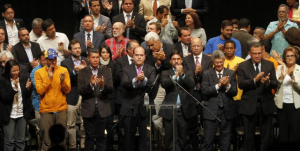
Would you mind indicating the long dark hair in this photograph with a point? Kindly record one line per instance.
(108, 50)
(197, 22)
(9, 64)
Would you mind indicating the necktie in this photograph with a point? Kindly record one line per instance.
(154, 7)
(89, 36)
(127, 30)
(139, 71)
(219, 94)
(220, 75)
(198, 79)
(256, 68)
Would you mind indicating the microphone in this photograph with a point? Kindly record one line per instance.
(157, 76)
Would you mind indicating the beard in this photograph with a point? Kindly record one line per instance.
(117, 34)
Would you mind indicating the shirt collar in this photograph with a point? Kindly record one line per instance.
(127, 13)
(255, 63)
(73, 59)
(137, 67)
(7, 23)
(200, 56)
(93, 68)
(56, 35)
(85, 32)
(29, 46)
(95, 17)
(220, 72)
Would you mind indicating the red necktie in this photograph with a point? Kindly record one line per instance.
(154, 7)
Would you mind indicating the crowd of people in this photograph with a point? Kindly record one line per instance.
(126, 52)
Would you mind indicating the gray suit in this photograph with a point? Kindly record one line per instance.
(98, 41)
(103, 20)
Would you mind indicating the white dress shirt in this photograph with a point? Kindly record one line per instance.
(17, 106)
(12, 33)
(96, 21)
(86, 36)
(287, 89)
(185, 49)
(29, 52)
(129, 59)
(199, 58)
(33, 36)
(125, 17)
(217, 86)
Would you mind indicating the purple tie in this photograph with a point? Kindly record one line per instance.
(198, 80)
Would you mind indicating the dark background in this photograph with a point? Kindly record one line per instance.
(260, 13)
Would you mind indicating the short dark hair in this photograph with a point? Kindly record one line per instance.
(47, 23)
(41, 54)
(175, 52)
(5, 7)
(73, 42)
(292, 36)
(90, 2)
(255, 45)
(93, 50)
(161, 9)
(197, 22)
(124, 0)
(225, 23)
(108, 50)
(244, 23)
(235, 21)
(267, 44)
(230, 41)
(181, 29)
(129, 43)
(2, 28)
(21, 30)
(157, 25)
(9, 64)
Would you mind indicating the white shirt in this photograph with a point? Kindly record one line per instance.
(33, 36)
(259, 66)
(185, 49)
(287, 89)
(46, 43)
(12, 33)
(120, 4)
(86, 36)
(96, 21)
(129, 59)
(188, 3)
(125, 17)
(199, 58)
(17, 107)
(217, 86)
(29, 52)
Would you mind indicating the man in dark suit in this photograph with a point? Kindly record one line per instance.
(179, 8)
(257, 78)
(80, 9)
(3, 45)
(185, 105)
(26, 52)
(183, 45)
(243, 36)
(89, 38)
(74, 64)
(94, 85)
(197, 62)
(10, 22)
(136, 78)
(135, 25)
(218, 88)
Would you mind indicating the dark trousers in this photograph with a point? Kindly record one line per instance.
(110, 124)
(194, 124)
(181, 132)
(265, 125)
(94, 131)
(289, 126)
(210, 128)
(1, 137)
(130, 125)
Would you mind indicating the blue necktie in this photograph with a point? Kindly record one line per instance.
(127, 30)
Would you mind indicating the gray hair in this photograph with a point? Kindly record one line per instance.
(129, 44)
(262, 29)
(255, 45)
(36, 22)
(252, 40)
(286, 8)
(217, 54)
(7, 53)
(151, 35)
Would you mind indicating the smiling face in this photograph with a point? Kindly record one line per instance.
(218, 64)
(189, 20)
(226, 32)
(14, 72)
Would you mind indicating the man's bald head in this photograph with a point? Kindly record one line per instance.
(196, 46)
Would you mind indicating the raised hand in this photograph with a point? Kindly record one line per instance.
(220, 46)
(28, 84)
(93, 80)
(259, 76)
(159, 55)
(179, 69)
(266, 79)
(50, 71)
(62, 76)
(103, 28)
(198, 69)
(34, 63)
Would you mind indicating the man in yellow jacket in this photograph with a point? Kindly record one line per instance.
(52, 85)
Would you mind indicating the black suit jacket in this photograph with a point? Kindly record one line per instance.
(4, 46)
(252, 92)
(20, 55)
(112, 66)
(19, 24)
(98, 41)
(212, 96)
(72, 97)
(178, 47)
(201, 7)
(89, 95)
(130, 94)
(120, 64)
(140, 26)
(172, 91)
(7, 97)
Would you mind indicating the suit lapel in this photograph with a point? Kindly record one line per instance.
(23, 53)
(214, 75)
(263, 67)
(83, 39)
(251, 68)
(95, 38)
(192, 62)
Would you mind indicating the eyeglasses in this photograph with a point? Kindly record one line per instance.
(290, 56)
(194, 46)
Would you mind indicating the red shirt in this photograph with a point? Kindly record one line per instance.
(114, 46)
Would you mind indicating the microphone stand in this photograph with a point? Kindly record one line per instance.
(138, 101)
(195, 99)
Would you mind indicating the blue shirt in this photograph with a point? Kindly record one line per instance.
(212, 45)
(278, 42)
(35, 96)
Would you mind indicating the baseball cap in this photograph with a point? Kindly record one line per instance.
(50, 53)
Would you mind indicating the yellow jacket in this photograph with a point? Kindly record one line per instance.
(51, 91)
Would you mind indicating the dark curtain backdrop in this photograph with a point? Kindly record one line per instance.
(260, 13)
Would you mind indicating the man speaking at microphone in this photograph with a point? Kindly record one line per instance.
(218, 89)
(185, 105)
(136, 78)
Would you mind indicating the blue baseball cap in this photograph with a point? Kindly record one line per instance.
(50, 53)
